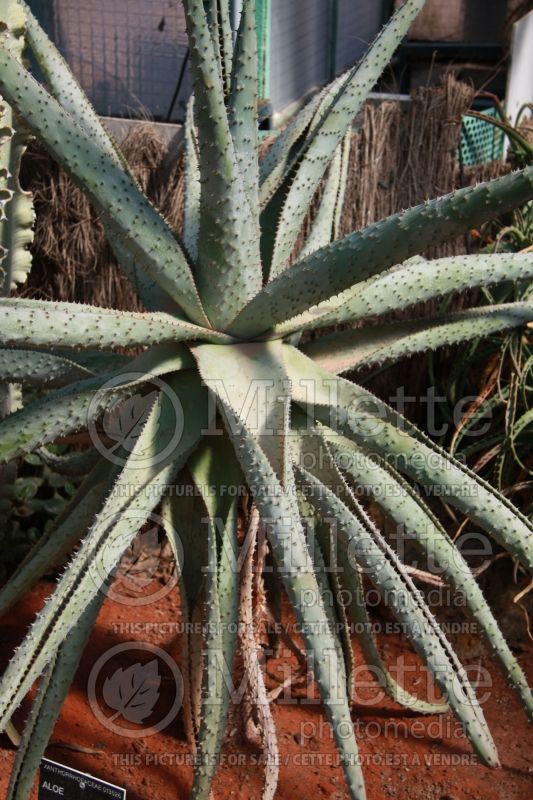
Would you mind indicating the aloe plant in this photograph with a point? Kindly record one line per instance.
(16, 209)
(221, 335)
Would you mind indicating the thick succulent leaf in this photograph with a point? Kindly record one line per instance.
(381, 564)
(269, 472)
(214, 468)
(154, 462)
(76, 464)
(51, 693)
(318, 542)
(67, 91)
(217, 476)
(416, 281)
(55, 544)
(48, 324)
(76, 405)
(191, 207)
(32, 368)
(356, 257)
(80, 582)
(215, 694)
(403, 505)
(325, 224)
(242, 106)
(276, 162)
(288, 544)
(251, 378)
(229, 263)
(112, 191)
(332, 128)
(219, 479)
(185, 511)
(207, 467)
(357, 612)
(377, 344)
(16, 208)
(310, 448)
(66, 88)
(58, 414)
(287, 148)
(380, 430)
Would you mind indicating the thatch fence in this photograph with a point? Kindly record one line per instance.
(402, 154)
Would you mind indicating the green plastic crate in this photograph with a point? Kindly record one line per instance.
(481, 142)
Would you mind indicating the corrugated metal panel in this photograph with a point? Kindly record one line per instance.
(358, 23)
(299, 49)
(126, 54)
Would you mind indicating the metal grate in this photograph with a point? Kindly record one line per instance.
(127, 54)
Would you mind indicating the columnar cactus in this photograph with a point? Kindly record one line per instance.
(225, 308)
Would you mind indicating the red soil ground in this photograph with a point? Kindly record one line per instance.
(404, 755)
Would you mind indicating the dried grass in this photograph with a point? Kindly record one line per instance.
(72, 259)
(405, 154)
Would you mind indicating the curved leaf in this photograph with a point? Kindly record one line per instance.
(356, 257)
(113, 192)
(415, 281)
(379, 430)
(310, 448)
(66, 88)
(139, 488)
(46, 707)
(214, 471)
(268, 473)
(403, 505)
(44, 323)
(378, 344)
(332, 128)
(78, 404)
(242, 106)
(228, 263)
(385, 570)
(32, 368)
